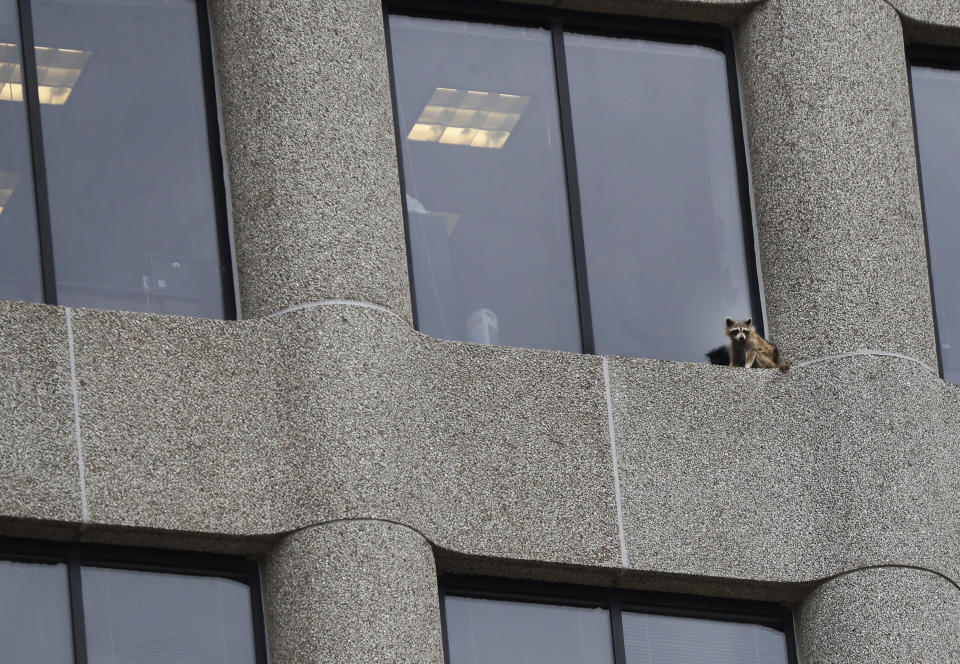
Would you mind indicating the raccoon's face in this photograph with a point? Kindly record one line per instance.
(739, 330)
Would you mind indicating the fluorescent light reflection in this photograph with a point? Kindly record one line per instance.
(8, 182)
(57, 72)
(468, 117)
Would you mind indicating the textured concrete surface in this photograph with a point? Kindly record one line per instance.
(261, 427)
(757, 475)
(889, 615)
(39, 475)
(836, 194)
(241, 429)
(310, 146)
(358, 591)
(180, 420)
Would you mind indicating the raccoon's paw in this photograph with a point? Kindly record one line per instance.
(784, 367)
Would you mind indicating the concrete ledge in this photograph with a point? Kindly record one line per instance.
(757, 475)
(39, 473)
(256, 428)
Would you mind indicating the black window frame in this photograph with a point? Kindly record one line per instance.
(559, 21)
(940, 57)
(616, 600)
(75, 556)
(31, 96)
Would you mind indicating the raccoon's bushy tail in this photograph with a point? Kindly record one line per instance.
(783, 366)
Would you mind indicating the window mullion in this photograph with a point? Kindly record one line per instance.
(573, 187)
(31, 97)
(76, 611)
(616, 626)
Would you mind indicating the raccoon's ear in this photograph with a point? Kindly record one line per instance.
(748, 321)
(729, 322)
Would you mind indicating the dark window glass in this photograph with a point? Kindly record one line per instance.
(571, 191)
(34, 614)
(490, 621)
(483, 178)
(19, 247)
(180, 609)
(662, 224)
(655, 639)
(128, 162)
(482, 631)
(936, 97)
(152, 618)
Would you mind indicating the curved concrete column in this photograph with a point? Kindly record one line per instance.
(353, 591)
(311, 152)
(881, 615)
(835, 178)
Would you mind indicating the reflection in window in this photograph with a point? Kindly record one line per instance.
(662, 224)
(936, 99)
(499, 203)
(131, 217)
(486, 204)
(20, 276)
(129, 176)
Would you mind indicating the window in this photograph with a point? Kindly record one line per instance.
(65, 604)
(490, 620)
(935, 81)
(572, 182)
(111, 178)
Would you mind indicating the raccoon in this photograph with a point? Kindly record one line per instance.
(749, 349)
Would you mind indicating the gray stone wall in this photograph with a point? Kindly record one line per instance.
(642, 472)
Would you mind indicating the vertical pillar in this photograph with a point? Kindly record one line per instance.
(835, 179)
(881, 615)
(353, 591)
(308, 121)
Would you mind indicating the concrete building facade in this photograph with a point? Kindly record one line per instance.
(356, 458)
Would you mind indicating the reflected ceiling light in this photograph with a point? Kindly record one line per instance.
(57, 72)
(468, 117)
(449, 218)
(8, 182)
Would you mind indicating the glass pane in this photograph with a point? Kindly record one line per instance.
(128, 163)
(482, 631)
(658, 184)
(483, 176)
(936, 98)
(34, 614)
(19, 249)
(150, 618)
(652, 639)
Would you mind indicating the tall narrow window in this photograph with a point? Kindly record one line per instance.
(935, 77)
(572, 184)
(662, 219)
(486, 203)
(124, 143)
